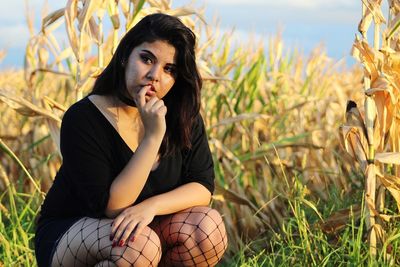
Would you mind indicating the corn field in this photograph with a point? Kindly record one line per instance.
(303, 175)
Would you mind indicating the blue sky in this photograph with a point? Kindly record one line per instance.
(304, 23)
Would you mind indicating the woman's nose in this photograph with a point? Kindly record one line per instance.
(154, 73)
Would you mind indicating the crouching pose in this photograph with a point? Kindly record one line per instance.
(137, 172)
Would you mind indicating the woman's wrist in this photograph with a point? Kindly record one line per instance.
(151, 204)
(153, 138)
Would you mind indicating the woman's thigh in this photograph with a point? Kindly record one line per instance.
(87, 242)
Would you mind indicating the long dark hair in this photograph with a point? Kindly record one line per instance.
(183, 100)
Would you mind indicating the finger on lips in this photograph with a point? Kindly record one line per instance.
(141, 96)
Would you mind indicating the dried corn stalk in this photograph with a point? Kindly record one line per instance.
(84, 21)
(371, 135)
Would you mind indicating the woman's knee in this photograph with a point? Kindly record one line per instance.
(210, 233)
(145, 250)
(197, 236)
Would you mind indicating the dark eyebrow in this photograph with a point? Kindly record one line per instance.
(149, 52)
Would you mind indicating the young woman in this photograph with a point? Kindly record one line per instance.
(137, 172)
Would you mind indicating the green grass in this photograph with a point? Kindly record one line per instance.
(17, 227)
(300, 242)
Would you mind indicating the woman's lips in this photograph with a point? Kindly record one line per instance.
(151, 90)
(150, 93)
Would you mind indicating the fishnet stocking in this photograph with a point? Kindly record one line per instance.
(193, 237)
(88, 243)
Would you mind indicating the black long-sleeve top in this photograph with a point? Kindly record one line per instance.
(94, 154)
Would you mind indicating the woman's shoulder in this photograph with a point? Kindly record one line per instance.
(79, 111)
(80, 105)
(80, 116)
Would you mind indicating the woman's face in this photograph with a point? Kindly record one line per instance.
(152, 64)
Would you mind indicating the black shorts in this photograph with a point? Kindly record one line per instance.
(47, 236)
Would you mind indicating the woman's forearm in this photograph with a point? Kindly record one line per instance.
(129, 183)
(180, 198)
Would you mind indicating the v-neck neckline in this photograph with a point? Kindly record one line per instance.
(109, 123)
(116, 132)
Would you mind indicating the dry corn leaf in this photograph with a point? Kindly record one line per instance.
(380, 233)
(71, 11)
(46, 44)
(4, 177)
(370, 115)
(372, 12)
(43, 55)
(393, 26)
(54, 129)
(370, 188)
(204, 68)
(93, 31)
(382, 84)
(185, 11)
(372, 208)
(85, 84)
(124, 4)
(366, 55)
(258, 197)
(233, 196)
(52, 41)
(23, 106)
(89, 7)
(239, 118)
(394, 139)
(385, 109)
(365, 23)
(339, 219)
(67, 52)
(355, 143)
(52, 17)
(374, 8)
(141, 14)
(161, 4)
(388, 157)
(51, 103)
(392, 183)
(394, 6)
(112, 10)
(225, 151)
(392, 58)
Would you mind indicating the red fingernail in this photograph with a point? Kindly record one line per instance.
(114, 244)
(132, 239)
(111, 237)
(121, 243)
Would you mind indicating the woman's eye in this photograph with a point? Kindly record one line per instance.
(170, 69)
(146, 59)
